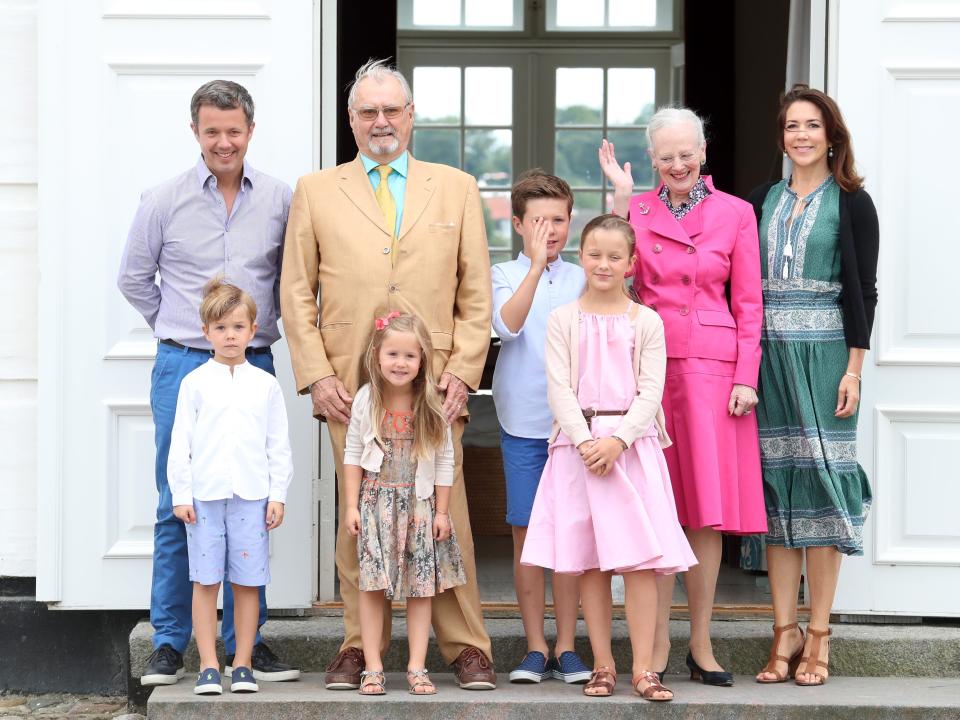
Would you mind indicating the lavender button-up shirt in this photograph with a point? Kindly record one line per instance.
(182, 231)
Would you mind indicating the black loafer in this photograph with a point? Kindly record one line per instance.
(721, 678)
(266, 666)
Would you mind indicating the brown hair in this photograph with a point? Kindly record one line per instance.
(535, 184)
(618, 224)
(838, 136)
(221, 298)
(429, 422)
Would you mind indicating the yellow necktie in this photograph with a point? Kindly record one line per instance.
(388, 206)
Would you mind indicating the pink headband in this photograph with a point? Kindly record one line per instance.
(382, 322)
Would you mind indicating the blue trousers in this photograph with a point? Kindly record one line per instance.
(171, 592)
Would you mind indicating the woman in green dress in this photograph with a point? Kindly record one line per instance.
(818, 249)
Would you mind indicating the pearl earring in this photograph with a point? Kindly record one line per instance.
(830, 152)
(784, 154)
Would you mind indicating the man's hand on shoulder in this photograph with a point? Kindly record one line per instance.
(331, 399)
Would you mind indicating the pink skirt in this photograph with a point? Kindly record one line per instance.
(622, 522)
(714, 461)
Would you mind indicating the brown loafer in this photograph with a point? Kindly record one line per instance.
(343, 673)
(474, 671)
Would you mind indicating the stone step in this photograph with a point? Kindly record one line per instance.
(849, 698)
(740, 646)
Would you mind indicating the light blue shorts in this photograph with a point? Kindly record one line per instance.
(523, 461)
(229, 542)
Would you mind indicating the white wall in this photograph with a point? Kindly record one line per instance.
(18, 286)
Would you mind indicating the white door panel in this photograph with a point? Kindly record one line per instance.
(116, 79)
(895, 71)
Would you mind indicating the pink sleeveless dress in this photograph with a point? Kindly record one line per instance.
(626, 520)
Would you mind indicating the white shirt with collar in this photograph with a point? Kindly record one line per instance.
(520, 378)
(362, 449)
(229, 436)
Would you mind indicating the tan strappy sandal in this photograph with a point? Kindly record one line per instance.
(419, 683)
(373, 682)
(601, 684)
(812, 662)
(792, 662)
(655, 686)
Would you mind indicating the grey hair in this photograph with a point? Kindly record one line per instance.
(379, 70)
(224, 94)
(669, 116)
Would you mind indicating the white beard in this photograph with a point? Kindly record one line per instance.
(384, 145)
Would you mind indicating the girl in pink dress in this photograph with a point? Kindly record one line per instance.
(605, 504)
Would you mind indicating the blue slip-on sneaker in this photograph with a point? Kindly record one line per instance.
(164, 667)
(242, 681)
(571, 669)
(208, 683)
(532, 669)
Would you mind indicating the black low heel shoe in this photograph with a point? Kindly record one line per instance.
(708, 677)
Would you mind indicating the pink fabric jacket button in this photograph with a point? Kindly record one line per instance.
(684, 310)
(685, 280)
(657, 248)
(655, 279)
(691, 249)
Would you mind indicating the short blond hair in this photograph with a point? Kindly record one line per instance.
(221, 298)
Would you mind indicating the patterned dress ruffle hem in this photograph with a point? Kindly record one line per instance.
(396, 548)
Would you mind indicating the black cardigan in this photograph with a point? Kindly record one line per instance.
(859, 247)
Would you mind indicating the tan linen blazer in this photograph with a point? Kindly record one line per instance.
(563, 376)
(337, 244)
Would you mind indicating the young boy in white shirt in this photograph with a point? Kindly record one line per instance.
(229, 468)
(525, 290)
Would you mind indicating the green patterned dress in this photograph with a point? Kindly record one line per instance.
(816, 492)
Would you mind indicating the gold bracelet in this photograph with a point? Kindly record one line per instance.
(859, 379)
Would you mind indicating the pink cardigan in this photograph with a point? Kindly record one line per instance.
(563, 376)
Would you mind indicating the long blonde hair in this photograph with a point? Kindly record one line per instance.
(429, 422)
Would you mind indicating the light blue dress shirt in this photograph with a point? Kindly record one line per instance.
(397, 181)
(182, 233)
(520, 378)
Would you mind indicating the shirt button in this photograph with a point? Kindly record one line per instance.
(386, 251)
(684, 310)
(393, 288)
(657, 248)
(685, 280)
(691, 249)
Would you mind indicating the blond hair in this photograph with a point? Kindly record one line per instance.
(221, 298)
(429, 421)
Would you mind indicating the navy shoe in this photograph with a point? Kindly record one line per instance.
(241, 681)
(266, 666)
(208, 683)
(571, 669)
(720, 678)
(532, 669)
(164, 667)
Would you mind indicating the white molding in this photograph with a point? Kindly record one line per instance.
(200, 67)
(884, 551)
(184, 10)
(919, 11)
(117, 548)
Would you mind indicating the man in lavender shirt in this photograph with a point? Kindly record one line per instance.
(220, 217)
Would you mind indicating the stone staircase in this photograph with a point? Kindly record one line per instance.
(877, 672)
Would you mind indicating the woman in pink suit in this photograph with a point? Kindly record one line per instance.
(698, 266)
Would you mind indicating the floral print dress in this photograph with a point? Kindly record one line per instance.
(396, 547)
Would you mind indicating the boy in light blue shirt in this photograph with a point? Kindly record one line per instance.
(525, 291)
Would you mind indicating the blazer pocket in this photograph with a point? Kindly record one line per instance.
(441, 340)
(332, 326)
(441, 227)
(719, 318)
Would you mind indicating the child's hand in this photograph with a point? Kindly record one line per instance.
(441, 526)
(352, 520)
(536, 243)
(584, 447)
(274, 515)
(601, 456)
(185, 513)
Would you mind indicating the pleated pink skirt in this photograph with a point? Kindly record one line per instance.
(714, 461)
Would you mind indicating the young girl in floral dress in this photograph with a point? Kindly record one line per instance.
(399, 466)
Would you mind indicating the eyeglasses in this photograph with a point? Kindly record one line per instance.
(668, 160)
(390, 112)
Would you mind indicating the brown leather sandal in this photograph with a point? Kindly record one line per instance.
(373, 682)
(813, 661)
(603, 680)
(792, 662)
(655, 686)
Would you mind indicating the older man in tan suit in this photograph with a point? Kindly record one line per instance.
(388, 232)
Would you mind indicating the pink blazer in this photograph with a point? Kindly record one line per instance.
(684, 268)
